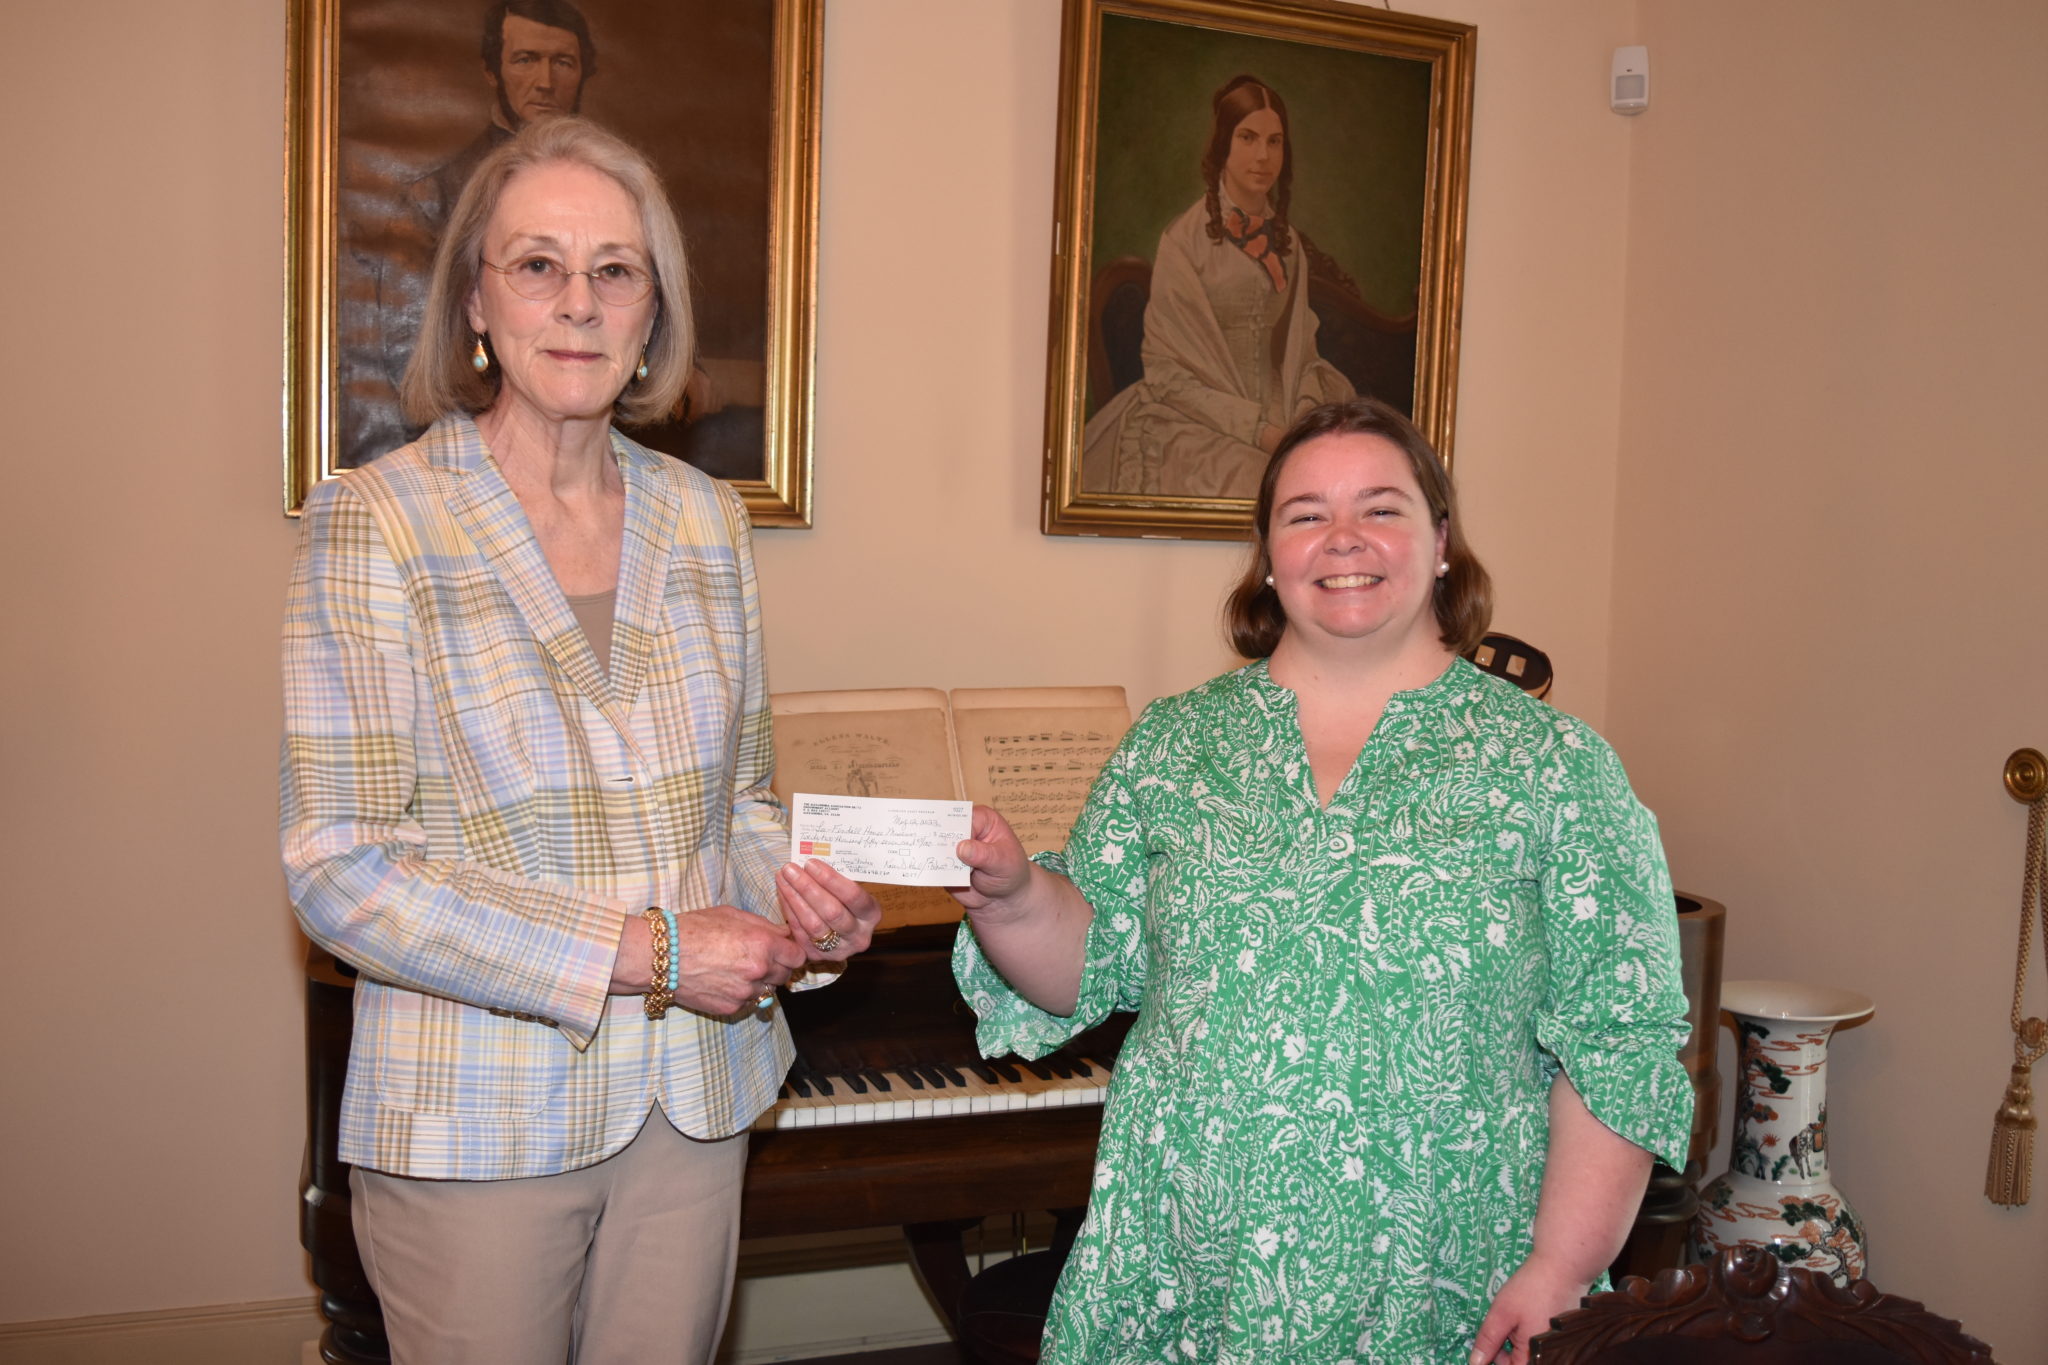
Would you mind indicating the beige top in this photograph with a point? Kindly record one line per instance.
(594, 613)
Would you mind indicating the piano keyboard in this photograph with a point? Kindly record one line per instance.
(934, 1090)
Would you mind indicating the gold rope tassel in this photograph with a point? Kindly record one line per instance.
(2010, 1178)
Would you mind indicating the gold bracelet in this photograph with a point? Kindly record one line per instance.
(658, 997)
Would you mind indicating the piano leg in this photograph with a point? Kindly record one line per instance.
(938, 1252)
(355, 1322)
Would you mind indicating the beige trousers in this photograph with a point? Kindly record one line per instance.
(628, 1262)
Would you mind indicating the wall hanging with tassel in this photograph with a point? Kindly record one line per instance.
(2009, 1177)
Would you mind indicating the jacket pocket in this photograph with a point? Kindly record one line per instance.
(426, 1055)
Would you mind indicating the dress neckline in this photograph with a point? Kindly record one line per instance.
(1438, 690)
(1285, 704)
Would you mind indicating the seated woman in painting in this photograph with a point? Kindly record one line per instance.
(1230, 344)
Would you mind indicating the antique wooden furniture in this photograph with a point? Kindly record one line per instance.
(1747, 1309)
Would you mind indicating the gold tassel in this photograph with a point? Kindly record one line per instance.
(2009, 1178)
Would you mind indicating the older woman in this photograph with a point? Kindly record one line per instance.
(1402, 947)
(1230, 344)
(525, 779)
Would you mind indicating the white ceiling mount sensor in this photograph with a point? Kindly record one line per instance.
(1629, 89)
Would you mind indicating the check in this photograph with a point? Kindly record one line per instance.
(880, 839)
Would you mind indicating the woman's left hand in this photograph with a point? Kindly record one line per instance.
(825, 908)
(1523, 1309)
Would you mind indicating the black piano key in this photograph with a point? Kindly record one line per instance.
(984, 1072)
(854, 1082)
(951, 1075)
(823, 1082)
(797, 1086)
(910, 1077)
(1062, 1067)
(1039, 1068)
(876, 1078)
(1081, 1067)
(1005, 1067)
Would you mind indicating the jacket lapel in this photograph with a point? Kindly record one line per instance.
(652, 514)
(490, 514)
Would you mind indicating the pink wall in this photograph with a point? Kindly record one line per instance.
(1829, 596)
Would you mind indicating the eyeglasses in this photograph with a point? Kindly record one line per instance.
(540, 278)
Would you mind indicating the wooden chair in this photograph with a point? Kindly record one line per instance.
(1747, 1309)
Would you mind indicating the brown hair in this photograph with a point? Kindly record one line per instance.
(551, 13)
(1239, 99)
(440, 379)
(1464, 595)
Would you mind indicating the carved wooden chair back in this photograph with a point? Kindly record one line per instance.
(1747, 1309)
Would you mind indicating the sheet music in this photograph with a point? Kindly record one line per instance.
(896, 743)
(1033, 753)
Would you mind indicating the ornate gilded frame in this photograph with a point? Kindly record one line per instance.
(782, 495)
(1445, 50)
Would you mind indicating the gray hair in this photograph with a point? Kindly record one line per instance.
(440, 378)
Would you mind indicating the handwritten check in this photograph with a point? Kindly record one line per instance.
(880, 839)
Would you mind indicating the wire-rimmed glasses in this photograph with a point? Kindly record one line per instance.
(540, 278)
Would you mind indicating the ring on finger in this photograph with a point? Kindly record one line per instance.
(827, 941)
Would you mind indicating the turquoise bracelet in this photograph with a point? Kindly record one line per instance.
(675, 958)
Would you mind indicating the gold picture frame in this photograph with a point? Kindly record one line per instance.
(723, 95)
(1159, 313)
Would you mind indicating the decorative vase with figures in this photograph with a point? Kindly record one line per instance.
(1776, 1192)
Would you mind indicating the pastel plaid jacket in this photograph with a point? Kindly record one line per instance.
(471, 806)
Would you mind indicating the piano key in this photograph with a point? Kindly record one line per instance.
(974, 1096)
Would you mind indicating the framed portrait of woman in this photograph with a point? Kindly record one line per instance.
(1260, 207)
(393, 102)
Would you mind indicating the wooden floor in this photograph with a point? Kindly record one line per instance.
(944, 1354)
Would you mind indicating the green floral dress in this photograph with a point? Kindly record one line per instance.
(1326, 1133)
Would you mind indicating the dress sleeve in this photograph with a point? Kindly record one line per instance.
(1106, 859)
(355, 853)
(1614, 1016)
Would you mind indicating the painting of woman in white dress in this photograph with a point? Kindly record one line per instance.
(1258, 209)
(1229, 348)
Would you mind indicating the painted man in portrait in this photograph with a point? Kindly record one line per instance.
(537, 56)
(537, 59)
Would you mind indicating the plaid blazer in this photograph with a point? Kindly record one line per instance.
(472, 806)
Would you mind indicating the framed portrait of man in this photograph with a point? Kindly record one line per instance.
(394, 102)
(1260, 207)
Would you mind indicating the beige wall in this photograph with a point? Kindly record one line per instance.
(1828, 622)
(148, 996)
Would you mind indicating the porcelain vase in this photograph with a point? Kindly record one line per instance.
(1776, 1192)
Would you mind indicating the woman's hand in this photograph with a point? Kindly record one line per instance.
(824, 906)
(726, 959)
(1032, 924)
(1593, 1181)
(1533, 1295)
(998, 871)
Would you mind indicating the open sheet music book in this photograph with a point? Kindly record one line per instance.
(1031, 752)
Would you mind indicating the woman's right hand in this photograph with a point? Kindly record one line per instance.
(1032, 924)
(727, 959)
(998, 871)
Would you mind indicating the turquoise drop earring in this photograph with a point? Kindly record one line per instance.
(479, 361)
